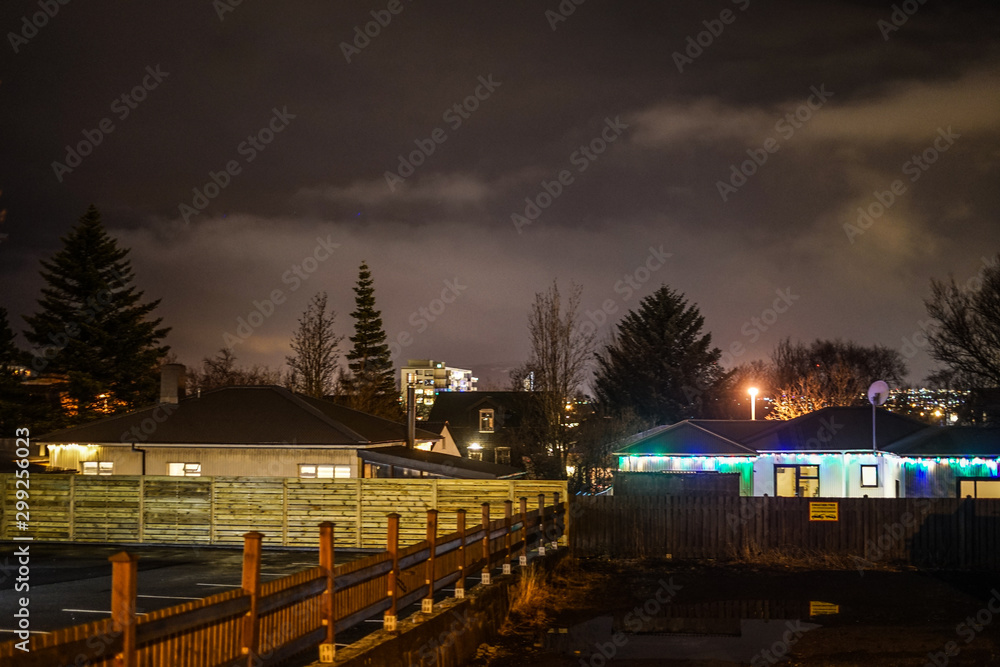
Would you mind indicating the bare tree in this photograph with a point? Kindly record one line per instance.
(557, 366)
(222, 371)
(827, 373)
(314, 365)
(967, 332)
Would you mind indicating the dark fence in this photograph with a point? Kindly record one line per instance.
(925, 532)
(706, 483)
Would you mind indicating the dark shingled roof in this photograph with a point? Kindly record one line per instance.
(950, 441)
(835, 429)
(830, 429)
(684, 438)
(263, 416)
(454, 406)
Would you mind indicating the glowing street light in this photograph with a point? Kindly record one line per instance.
(753, 402)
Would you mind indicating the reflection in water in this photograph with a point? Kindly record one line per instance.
(748, 631)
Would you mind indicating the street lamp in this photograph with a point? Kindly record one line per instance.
(753, 402)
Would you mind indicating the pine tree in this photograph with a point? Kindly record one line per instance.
(93, 328)
(659, 364)
(314, 364)
(371, 384)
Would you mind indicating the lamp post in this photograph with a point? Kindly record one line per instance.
(753, 403)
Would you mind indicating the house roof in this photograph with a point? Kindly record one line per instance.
(454, 406)
(950, 441)
(835, 429)
(261, 416)
(830, 429)
(438, 463)
(684, 438)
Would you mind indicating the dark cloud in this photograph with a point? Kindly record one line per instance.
(551, 92)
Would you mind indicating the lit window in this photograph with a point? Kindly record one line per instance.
(869, 476)
(486, 420)
(184, 469)
(98, 467)
(503, 455)
(314, 471)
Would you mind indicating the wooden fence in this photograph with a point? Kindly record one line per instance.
(219, 510)
(925, 532)
(263, 624)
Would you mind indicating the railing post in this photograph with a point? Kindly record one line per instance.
(540, 524)
(328, 649)
(427, 604)
(124, 582)
(555, 520)
(392, 544)
(487, 556)
(460, 584)
(523, 559)
(508, 511)
(251, 585)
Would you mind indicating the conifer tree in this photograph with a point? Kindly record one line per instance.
(93, 327)
(659, 364)
(371, 384)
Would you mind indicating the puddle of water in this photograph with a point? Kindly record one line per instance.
(747, 631)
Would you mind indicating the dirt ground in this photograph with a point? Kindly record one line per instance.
(598, 612)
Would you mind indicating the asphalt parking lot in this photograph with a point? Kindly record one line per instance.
(71, 583)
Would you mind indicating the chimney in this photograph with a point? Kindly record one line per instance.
(411, 414)
(171, 383)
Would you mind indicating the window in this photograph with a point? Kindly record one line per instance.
(316, 471)
(796, 481)
(978, 488)
(98, 468)
(869, 476)
(503, 455)
(475, 455)
(486, 420)
(184, 469)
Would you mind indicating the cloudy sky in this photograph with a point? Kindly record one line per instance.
(795, 169)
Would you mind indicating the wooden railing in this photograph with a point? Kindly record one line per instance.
(264, 623)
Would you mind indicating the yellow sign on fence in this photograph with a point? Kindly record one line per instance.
(824, 511)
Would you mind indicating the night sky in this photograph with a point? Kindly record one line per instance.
(632, 127)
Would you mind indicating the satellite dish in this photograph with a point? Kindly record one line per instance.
(878, 392)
